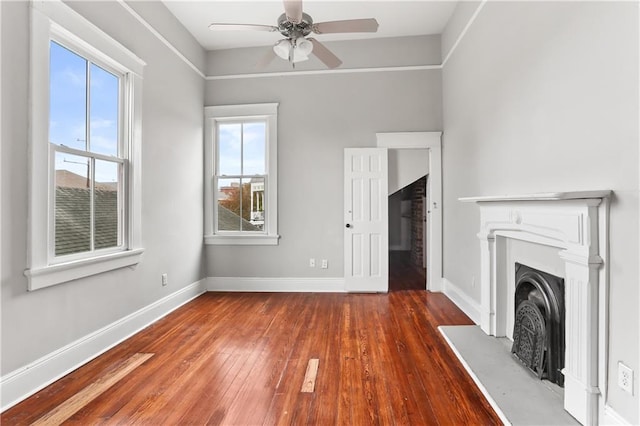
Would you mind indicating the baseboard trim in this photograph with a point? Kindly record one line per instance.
(24, 382)
(276, 285)
(460, 298)
(611, 417)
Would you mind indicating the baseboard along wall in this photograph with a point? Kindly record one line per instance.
(462, 300)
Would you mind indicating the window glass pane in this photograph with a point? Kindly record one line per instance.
(229, 205)
(229, 153)
(254, 141)
(68, 98)
(106, 209)
(73, 204)
(255, 205)
(103, 126)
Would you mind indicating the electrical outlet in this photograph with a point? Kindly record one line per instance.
(325, 264)
(165, 279)
(625, 378)
(312, 263)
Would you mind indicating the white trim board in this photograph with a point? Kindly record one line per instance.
(24, 382)
(408, 140)
(611, 417)
(325, 71)
(276, 284)
(462, 300)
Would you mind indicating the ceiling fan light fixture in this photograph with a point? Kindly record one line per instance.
(304, 47)
(301, 49)
(282, 47)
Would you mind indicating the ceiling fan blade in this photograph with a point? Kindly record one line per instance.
(324, 54)
(293, 10)
(236, 27)
(266, 59)
(349, 26)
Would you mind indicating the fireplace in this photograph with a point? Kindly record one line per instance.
(569, 231)
(538, 332)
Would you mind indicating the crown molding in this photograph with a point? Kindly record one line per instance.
(160, 37)
(327, 71)
(463, 32)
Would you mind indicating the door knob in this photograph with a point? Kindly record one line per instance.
(348, 225)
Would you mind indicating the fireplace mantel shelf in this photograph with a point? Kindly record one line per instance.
(543, 196)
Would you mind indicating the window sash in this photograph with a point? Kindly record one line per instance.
(122, 226)
(123, 82)
(216, 201)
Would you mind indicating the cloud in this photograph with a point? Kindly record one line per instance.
(102, 123)
(76, 78)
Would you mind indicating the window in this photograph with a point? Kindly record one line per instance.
(85, 143)
(241, 174)
(85, 121)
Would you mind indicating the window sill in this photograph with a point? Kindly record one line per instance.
(57, 274)
(241, 240)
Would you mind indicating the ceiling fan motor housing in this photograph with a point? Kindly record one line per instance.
(295, 30)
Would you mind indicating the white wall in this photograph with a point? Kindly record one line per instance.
(37, 323)
(319, 116)
(406, 166)
(543, 96)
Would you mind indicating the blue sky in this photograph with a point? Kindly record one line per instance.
(68, 102)
(252, 154)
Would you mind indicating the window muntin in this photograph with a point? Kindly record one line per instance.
(85, 107)
(241, 165)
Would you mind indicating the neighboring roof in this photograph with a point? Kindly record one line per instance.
(229, 221)
(67, 179)
(73, 222)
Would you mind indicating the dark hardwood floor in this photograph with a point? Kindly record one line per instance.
(404, 274)
(240, 359)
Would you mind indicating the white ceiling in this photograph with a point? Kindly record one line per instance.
(396, 18)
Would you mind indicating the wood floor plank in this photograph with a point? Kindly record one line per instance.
(310, 376)
(241, 358)
(88, 394)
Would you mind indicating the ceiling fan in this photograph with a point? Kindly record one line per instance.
(296, 25)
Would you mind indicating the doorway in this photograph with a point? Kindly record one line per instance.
(431, 142)
(407, 243)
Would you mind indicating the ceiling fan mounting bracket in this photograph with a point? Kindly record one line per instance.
(295, 30)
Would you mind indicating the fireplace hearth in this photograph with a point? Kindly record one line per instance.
(538, 332)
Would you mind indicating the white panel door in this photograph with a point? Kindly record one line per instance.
(366, 237)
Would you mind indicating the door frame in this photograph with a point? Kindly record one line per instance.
(432, 141)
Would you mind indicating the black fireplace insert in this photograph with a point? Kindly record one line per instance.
(538, 331)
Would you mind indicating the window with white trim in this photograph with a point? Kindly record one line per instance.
(241, 174)
(85, 131)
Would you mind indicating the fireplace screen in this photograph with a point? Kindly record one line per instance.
(538, 332)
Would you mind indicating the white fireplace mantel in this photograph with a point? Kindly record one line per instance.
(576, 224)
